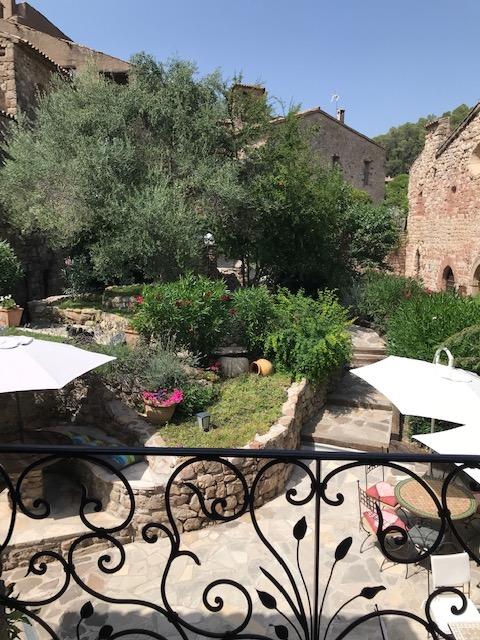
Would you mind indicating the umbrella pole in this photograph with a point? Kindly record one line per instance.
(19, 417)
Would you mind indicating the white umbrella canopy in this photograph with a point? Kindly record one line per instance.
(32, 365)
(459, 441)
(425, 389)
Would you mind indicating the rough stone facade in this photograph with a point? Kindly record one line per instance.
(361, 160)
(443, 239)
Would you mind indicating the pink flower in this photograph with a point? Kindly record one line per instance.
(139, 299)
(163, 397)
(226, 298)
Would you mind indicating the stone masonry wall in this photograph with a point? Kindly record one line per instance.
(33, 74)
(335, 139)
(8, 89)
(214, 479)
(444, 209)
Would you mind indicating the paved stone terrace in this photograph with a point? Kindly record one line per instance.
(233, 551)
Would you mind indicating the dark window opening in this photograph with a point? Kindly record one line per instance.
(336, 164)
(3, 51)
(448, 279)
(417, 263)
(367, 165)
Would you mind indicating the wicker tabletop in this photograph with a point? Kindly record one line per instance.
(413, 496)
(465, 630)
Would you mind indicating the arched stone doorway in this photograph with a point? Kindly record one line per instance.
(448, 279)
(475, 286)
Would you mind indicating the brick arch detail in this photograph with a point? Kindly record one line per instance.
(474, 286)
(447, 262)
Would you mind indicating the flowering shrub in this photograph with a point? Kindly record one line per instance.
(7, 302)
(310, 338)
(194, 310)
(163, 397)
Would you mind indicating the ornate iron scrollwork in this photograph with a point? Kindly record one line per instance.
(301, 612)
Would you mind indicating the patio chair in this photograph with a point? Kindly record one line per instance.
(451, 571)
(381, 491)
(369, 519)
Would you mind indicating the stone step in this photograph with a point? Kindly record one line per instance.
(352, 391)
(352, 427)
(362, 359)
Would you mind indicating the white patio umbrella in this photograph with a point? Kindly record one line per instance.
(33, 365)
(425, 389)
(459, 441)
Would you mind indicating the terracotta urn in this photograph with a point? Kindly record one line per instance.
(159, 415)
(11, 317)
(262, 367)
(132, 337)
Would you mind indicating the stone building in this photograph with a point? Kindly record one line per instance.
(361, 160)
(32, 49)
(443, 231)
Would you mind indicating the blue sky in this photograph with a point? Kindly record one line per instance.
(389, 60)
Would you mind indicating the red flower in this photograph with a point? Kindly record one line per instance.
(226, 298)
(139, 299)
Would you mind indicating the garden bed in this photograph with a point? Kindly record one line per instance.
(245, 406)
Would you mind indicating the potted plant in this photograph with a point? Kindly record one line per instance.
(160, 405)
(10, 312)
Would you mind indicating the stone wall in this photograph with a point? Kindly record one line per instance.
(33, 74)
(8, 89)
(213, 479)
(331, 138)
(444, 204)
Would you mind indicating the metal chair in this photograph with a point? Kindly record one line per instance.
(451, 571)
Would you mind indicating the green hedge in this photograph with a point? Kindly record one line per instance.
(311, 338)
(424, 322)
(380, 293)
(194, 311)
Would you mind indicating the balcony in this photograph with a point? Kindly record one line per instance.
(233, 546)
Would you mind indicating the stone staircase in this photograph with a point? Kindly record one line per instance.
(356, 416)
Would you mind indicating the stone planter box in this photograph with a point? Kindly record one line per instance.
(11, 317)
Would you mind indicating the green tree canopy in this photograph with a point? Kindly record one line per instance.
(124, 176)
(404, 143)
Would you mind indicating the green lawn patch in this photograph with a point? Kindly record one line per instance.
(11, 331)
(246, 405)
(124, 290)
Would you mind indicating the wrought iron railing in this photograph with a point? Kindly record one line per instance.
(296, 600)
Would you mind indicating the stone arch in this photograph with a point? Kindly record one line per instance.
(448, 279)
(448, 263)
(474, 284)
(474, 162)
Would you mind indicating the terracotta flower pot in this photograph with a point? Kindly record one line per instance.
(132, 337)
(159, 415)
(11, 317)
(262, 367)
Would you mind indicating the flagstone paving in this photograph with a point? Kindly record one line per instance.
(233, 551)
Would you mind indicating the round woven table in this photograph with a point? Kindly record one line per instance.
(411, 495)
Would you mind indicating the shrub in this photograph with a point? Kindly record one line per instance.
(143, 368)
(194, 310)
(465, 347)
(10, 269)
(380, 294)
(197, 397)
(422, 323)
(254, 316)
(311, 338)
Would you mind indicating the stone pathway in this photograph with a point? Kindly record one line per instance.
(234, 551)
(356, 416)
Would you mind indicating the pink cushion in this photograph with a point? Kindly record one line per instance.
(389, 519)
(384, 492)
